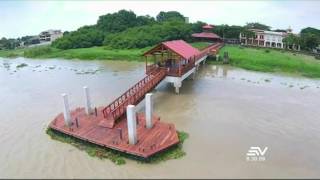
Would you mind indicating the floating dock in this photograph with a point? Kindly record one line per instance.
(149, 141)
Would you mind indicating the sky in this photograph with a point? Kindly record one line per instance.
(25, 17)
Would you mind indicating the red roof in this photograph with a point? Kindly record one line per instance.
(180, 47)
(208, 35)
(207, 26)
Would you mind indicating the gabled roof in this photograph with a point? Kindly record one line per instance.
(179, 47)
(208, 35)
(207, 26)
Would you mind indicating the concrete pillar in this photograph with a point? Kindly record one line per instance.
(217, 57)
(149, 110)
(132, 124)
(193, 75)
(66, 110)
(87, 102)
(177, 86)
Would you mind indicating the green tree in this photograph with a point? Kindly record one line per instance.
(117, 22)
(256, 25)
(309, 41)
(170, 16)
(247, 33)
(86, 36)
(197, 27)
(149, 35)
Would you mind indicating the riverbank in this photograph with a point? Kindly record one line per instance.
(268, 60)
(93, 53)
(265, 60)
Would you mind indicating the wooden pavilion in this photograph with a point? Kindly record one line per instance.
(177, 56)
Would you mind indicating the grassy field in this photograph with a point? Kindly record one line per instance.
(93, 53)
(200, 45)
(11, 53)
(268, 60)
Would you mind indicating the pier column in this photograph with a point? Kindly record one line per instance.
(132, 124)
(149, 110)
(177, 86)
(193, 75)
(66, 110)
(217, 57)
(87, 100)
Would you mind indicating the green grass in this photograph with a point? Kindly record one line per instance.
(93, 53)
(272, 61)
(200, 45)
(11, 53)
(117, 157)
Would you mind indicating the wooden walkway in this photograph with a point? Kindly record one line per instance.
(150, 141)
(133, 96)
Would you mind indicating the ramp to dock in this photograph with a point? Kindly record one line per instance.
(133, 96)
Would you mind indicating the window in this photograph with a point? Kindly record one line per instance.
(261, 36)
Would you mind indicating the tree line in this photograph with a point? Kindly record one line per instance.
(124, 29)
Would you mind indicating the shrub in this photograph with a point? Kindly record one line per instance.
(37, 51)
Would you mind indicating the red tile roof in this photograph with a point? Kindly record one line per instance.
(206, 35)
(180, 47)
(207, 26)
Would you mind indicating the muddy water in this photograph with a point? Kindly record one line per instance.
(225, 111)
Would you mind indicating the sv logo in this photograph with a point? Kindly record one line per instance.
(257, 151)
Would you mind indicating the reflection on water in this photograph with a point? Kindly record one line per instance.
(225, 111)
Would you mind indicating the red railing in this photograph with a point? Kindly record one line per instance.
(208, 50)
(134, 95)
(151, 68)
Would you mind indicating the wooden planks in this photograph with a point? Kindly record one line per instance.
(150, 141)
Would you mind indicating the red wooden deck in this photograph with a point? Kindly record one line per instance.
(150, 141)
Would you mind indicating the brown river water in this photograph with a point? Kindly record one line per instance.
(225, 110)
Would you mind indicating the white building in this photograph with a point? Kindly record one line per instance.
(270, 39)
(50, 35)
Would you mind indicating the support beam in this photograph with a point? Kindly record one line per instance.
(132, 124)
(193, 75)
(87, 100)
(149, 110)
(66, 114)
(217, 57)
(177, 86)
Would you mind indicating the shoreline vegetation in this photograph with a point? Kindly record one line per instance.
(119, 158)
(272, 60)
(256, 59)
